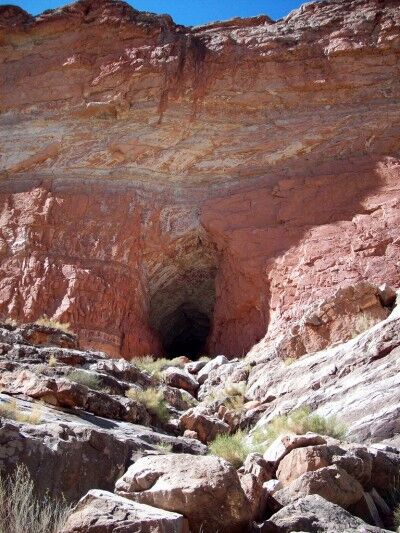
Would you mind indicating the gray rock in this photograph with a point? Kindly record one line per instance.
(103, 512)
(204, 489)
(332, 483)
(313, 514)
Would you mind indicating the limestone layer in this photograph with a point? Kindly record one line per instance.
(166, 188)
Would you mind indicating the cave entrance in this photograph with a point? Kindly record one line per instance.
(182, 298)
(187, 332)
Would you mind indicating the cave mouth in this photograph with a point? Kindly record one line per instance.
(186, 332)
(182, 297)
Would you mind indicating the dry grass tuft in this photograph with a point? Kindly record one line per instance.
(154, 366)
(11, 411)
(164, 447)
(55, 324)
(89, 379)
(21, 511)
(153, 399)
(233, 448)
(301, 421)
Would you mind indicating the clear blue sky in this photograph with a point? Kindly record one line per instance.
(189, 12)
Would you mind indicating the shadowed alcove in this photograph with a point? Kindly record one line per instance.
(183, 297)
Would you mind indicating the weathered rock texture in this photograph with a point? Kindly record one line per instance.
(172, 189)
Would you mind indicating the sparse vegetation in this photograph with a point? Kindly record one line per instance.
(234, 395)
(22, 511)
(164, 447)
(55, 324)
(153, 399)
(89, 379)
(52, 361)
(363, 322)
(11, 322)
(300, 421)
(11, 411)
(154, 366)
(289, 360)
(233, 448)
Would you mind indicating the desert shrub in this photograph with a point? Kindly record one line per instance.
(52, 361)
(233, 396)
(233, 448)
(289, 360)
(364, 322)
(154, 366)
(153, 399)
(164, 447)
(55, 324)
(301, 421)
(89, 379)
(21, 511)
(11, 322)
(11, 411)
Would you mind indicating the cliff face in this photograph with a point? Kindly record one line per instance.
(168, 189)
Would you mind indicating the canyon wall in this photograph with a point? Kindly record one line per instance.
(168, 189)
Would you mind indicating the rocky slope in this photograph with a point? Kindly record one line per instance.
(189, 190)
(133, 445)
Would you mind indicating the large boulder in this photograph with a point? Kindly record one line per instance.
(313, 514)
(284, 444)
(357, 462)
(332, 483)
(179, 378)
(203, 423)
(103, 512)
(206, 490)
(211, 365)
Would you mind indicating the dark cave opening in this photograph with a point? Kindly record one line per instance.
(182, 297)
(186, 332)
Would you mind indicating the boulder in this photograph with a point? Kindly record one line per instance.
(301, 460)
(206, 490)
(211, 365)
(314, 514)
(332, 483)
(103, 512)
(253, 474)
(176, 377)
(195, 366)
(205, 425)
(356, 461)
(284, 444)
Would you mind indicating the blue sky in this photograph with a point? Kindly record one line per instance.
(189, 12)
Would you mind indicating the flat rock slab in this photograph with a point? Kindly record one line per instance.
(104, 512)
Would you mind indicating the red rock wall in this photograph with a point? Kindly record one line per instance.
(141, 160)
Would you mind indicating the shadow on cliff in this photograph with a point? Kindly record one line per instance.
(258, 225)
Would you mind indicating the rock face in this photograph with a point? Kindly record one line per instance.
(186, 190)
(315, 515)
(206, 490)
(101, 511)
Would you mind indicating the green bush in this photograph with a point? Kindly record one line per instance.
(233, 448)
(301, 421)
(153, 399)
(21, 511)
(90, 380)
(164, 447)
